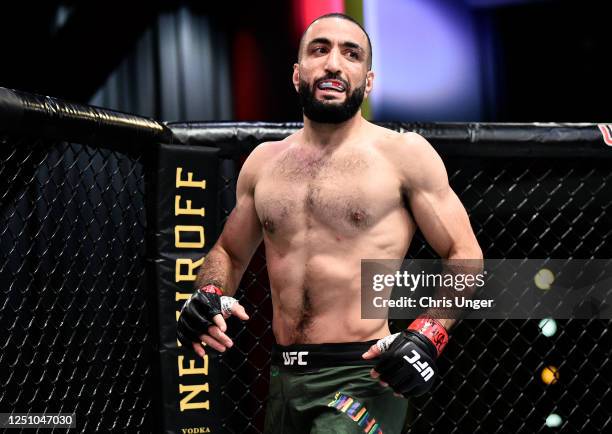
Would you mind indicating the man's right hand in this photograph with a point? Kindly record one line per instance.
(202, 319)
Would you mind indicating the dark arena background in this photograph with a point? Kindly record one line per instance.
(165, 100)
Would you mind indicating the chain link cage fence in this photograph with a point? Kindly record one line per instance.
(76, 334)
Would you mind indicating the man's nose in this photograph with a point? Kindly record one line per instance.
(332, 64)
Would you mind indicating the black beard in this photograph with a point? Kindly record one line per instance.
(329, 113)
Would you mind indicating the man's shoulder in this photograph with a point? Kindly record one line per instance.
(265, 152)
(270, 147)
(402, 146)
(414, 158)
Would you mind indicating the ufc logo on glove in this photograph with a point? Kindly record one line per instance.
(422, 367)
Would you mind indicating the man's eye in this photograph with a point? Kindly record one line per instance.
(353, 55)
(320, 50)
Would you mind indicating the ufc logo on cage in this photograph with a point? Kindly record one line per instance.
(290, 357)
(422, 367)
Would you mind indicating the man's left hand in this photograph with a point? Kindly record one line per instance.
(407, 363)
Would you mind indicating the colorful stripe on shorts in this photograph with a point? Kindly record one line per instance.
(356, 411)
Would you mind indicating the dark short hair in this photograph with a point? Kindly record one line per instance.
(344, 17)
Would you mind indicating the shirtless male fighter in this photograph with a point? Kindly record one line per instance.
(338, 190)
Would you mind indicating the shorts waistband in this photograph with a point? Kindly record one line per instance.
(305, 356)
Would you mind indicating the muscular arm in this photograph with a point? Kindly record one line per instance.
(446, 226)
(201, 321)
(227, 260)
(436, 208)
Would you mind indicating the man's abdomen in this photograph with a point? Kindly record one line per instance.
(316, 286)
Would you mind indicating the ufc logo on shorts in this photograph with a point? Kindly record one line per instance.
(290, 357)
(422, 367)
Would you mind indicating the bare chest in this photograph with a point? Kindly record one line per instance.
(348, 193)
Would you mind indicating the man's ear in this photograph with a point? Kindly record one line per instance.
(369, 83)
(296, 77)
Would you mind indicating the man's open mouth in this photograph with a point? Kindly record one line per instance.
(336, 85)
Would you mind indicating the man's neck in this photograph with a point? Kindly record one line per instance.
(331, 135)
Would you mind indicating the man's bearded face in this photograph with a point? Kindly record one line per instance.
(330, 111)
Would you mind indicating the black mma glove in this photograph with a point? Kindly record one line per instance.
(198, 312)
(407, 362)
